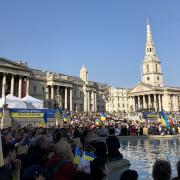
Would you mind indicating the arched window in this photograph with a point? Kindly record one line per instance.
(147, 68)
(156, 68)
(149, 49)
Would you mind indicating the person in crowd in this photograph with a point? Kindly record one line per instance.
(37, 156)
(98, 169)
(117, 130)
(101, 149)
(12, 165)
(103, 132)
(129, 175)
(60, 165)
(113, 146)
(34, 172)
(84, 165)
(161, 170)
(178, 171)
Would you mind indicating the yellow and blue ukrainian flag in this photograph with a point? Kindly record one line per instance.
(164, 119)
(89, 156)
(77, 155)
(103, 116)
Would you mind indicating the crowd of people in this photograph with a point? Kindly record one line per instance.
(73, 150)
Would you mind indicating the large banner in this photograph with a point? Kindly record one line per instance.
(150, 115)
(33, 113)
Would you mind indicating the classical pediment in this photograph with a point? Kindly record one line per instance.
(141, 88)
(5, 63)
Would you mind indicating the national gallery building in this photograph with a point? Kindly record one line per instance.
(80, 94)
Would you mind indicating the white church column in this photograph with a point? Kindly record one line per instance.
(139, 103)
(149, 101)
(144, 102)
(159, 98)
(134, 104)
(155, 102)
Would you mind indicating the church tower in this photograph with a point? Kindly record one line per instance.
(84, 74)
(151, 66)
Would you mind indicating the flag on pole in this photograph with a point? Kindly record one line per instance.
(77, 155)
(164, 119)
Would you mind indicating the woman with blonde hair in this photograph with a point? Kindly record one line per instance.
(60, 165)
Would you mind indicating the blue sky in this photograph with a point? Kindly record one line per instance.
(107, 36)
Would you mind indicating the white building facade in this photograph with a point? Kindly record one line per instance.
(151, 93)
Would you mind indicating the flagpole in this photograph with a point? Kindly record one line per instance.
(1, 153)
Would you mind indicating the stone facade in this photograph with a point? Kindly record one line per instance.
(118, 101)
(56, 90)
(151, 93)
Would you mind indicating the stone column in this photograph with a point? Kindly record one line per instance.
(159, 98)
(177, 103)
(144, 102)
(149, 100)
(4, 85)
(71, 104)
(65, 98)
(95, 101)
(27, 86)
(12, 85)
(20, 87)
(134, 104)
(88, 101)
(155, 102)
(47, 92)
(130, 104)
(174, 103)
(52, 93)
(92, 94)
(139, 106)
(85, 100)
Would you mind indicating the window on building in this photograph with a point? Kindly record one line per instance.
(150, 49)
(147, 67)
(158, 78)
(148, 78)
(156, 68)
(123, 105)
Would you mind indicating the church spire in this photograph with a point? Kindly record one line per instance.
(150, 47)
(151, 67)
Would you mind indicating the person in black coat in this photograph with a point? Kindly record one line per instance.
(113, 146)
